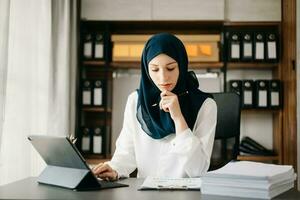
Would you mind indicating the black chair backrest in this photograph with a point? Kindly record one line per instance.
(228, 122)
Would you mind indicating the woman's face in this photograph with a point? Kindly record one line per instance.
(164, 72)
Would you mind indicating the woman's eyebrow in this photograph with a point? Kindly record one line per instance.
(166, 64)
(171, 63)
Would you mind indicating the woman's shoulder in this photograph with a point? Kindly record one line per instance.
(133, 97)
(209, 104)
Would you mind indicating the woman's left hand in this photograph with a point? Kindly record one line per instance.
(169, 103)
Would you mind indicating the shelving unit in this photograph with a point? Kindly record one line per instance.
(105, 68)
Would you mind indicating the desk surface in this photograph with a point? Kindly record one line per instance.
(29, 189)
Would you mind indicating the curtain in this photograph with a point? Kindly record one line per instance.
(38, 80)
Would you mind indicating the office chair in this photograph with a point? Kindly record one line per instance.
(227, 129)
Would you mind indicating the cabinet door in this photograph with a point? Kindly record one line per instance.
(188, 10)
(253, 10)
(116, 9)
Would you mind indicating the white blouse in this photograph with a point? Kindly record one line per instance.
(185, 154)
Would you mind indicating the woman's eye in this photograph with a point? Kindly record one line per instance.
(154, 69)
(171, 69)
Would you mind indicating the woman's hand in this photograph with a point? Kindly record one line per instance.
(105, 172)
(169, 103)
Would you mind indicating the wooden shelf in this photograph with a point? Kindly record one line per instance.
(94, 62)
(206, 65)
(251, 65)
(95, 109)
(251, 23)
(192, 65)
(257, 158)
(258, 110)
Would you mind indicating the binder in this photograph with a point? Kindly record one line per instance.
(98, 93)
(262, 96)
(99, 46)
(235, 86)
(87, 46)
(247, 46)
(272, 47)
(86, 140)
(86, 93)
(259, 47)
(275, 93)
(248, 94)
(234, 47)
(97, 140)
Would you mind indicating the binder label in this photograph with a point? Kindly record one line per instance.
(272, 50)
(259, 53)
(87, 50)
(85, 146)
(247, 49)
(97, 144)
(274, 98)
(235, 51)
(248, 97)
(99, 50)
(98, 96)
(262, 98)
(86, 97)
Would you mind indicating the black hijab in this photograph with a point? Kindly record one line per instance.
(155, 122)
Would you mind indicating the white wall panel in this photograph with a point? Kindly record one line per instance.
(188, 10)
(116, 9)
(253, 10)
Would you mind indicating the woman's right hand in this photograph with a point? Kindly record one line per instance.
(105, 172)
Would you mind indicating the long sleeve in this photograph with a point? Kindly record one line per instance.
(124, 160)
(190, 151)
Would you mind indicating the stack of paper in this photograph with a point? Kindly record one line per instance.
(249, 179)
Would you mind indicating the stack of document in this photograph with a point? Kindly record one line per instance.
(249, 179)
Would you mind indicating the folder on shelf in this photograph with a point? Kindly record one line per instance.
(234, 47)
(86, 93)
(248, 94)
(235, 86)
(87, 46)
(97, 140)
(275, 94)
(259, 47)
(85, 139)
(247, 46)
(98, 93)
(262, 97)
(271, 49)
(99, 46)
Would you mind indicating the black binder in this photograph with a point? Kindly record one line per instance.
(262, 96)
(234, 46)
(248, 94)
(275, 94)
(86, 140)
(259, 46)
(99, 47)
(65, 165)
(272, 47)
(98, 139)
(88, 46)
(86, 92)
(247, 46)
(235, 86)
(98, 91)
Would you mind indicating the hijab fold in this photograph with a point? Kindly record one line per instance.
(154, 121)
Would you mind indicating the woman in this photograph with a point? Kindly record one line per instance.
(169, 124)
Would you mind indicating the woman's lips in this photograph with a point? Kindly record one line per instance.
(167, 85)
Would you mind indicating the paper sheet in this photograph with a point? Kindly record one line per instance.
(171, 183)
